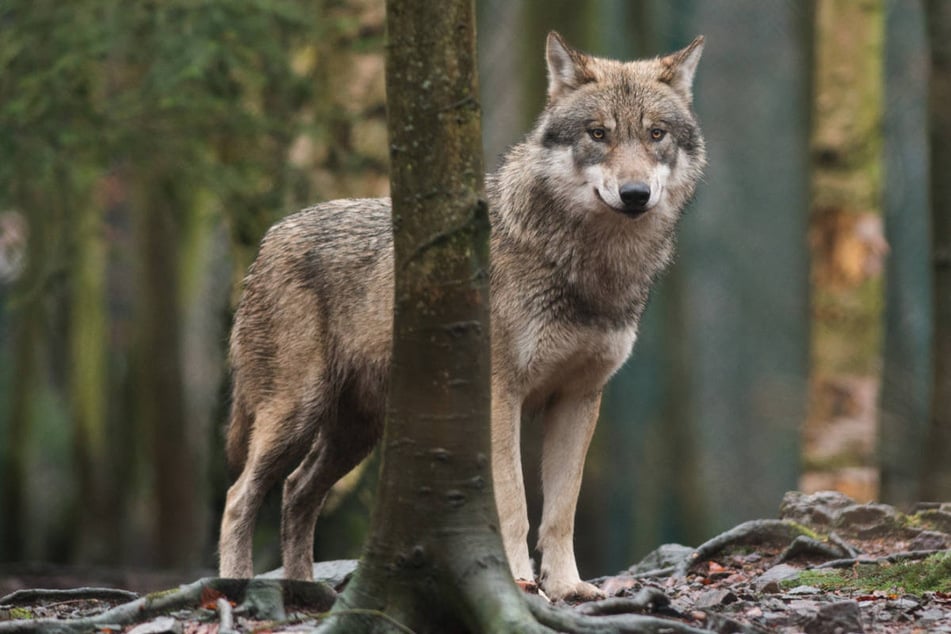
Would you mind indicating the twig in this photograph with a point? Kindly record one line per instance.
(887, 559)
(225, 616)
(656, 572)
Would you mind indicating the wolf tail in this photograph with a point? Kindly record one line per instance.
(238, 436)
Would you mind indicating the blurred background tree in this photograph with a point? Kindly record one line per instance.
(146, 147)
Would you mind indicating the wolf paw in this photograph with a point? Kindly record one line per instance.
(571, 590)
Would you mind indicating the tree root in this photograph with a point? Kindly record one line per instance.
(646, 600)
(264, 598)
(572, 622)
(22, 597)
(911, 555)
(755, 532)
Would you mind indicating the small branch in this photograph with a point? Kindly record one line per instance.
(911, 555)
(656, 572)
(225, 616)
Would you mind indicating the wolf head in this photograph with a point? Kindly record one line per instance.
(622, 133)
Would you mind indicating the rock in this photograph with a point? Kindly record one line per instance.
(842, 617)
(937, 519)
(161, 625)
(868, 520)
(713, 598)
(665, 556)
(769, 581)
(905, 604)
(931, 615)
(930, 540)
(333, 573)
(611, 586)
(819, 510)
(799, 591)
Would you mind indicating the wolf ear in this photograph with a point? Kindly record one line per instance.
(680, 67)
(567, 68)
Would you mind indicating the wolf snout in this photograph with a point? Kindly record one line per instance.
(635, 196)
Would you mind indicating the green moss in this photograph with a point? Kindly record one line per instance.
(152, 596)
(914, 577)
(808, 532)
(19, 614)
(823, 579)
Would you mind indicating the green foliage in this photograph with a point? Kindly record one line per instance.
(205, 87)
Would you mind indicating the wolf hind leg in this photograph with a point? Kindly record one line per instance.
(337, 448)
(269, 455)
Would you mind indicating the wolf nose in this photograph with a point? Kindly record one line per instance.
(635, 195)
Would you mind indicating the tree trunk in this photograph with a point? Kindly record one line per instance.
(434, 561)
(906, 372)
(88, 385)
(848, 247)
(936, 479)
(160, 391)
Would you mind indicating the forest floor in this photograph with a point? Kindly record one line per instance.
(827, 565)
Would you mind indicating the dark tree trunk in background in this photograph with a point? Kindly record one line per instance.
(906, 373)
(160, 391)
(936, 479)
(434, 560)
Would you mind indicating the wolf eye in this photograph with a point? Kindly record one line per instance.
(597, 134)
(657, 134)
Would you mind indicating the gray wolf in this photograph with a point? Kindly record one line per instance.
(583, 215)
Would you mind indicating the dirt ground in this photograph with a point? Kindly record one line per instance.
(826, 565)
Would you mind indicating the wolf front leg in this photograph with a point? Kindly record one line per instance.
(507, 480)
(569, 424)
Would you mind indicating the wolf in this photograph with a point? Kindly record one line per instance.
(583, 213)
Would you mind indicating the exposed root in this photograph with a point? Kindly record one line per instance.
(805, 546)
(263, 597)
(572, 622)
(22, 597)
(755, 532)
(646, 600)
(911, 555)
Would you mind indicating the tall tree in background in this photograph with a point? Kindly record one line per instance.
(936, 477)
(848, 246)
(434, 560)
(114, 115)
